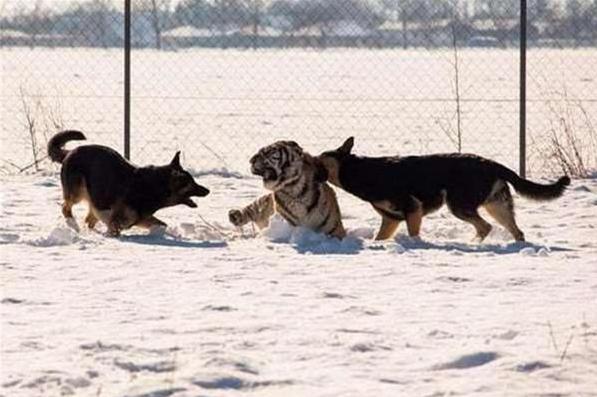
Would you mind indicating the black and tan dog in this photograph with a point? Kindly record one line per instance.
(119, 194)
(408, 188)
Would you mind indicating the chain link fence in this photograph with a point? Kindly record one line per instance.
(221, 78)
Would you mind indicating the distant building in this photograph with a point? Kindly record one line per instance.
(432, 33)
(186, 36)
(16, 38)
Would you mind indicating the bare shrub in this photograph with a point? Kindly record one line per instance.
(572, 145)
(454, 134)
(42, 118)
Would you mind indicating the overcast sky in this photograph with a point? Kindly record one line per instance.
(10, 6)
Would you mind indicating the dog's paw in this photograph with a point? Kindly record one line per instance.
(235, 217)
(114, 233)
(114, 229)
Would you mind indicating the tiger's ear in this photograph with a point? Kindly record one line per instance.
(295, 145)
(346, 147)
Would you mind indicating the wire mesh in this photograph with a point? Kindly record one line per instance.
(221, 78)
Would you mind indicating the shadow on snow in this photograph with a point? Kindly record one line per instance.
(168, 241)
(525, 248)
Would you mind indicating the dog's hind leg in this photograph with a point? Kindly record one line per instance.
(67, 211)
(67, 208)
(73, 191)
(501, 208)
(472, 216)
(464, 206)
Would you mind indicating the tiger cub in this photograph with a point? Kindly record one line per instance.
(300, 194)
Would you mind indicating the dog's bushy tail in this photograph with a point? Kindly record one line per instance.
(532, 190)
(56, 150)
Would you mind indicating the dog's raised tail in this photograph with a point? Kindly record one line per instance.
(56, 150)
(532, 190)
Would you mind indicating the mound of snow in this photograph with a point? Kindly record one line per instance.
(307, 241)
(533, 251)
(58, 236)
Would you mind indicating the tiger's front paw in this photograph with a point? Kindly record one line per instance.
(236, 217)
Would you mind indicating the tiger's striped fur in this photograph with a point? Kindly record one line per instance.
(300, 194)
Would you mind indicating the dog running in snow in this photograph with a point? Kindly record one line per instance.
(408, 188)
(119, 194)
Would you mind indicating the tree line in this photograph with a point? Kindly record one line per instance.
(99, 22)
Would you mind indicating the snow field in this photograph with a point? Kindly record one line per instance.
(209, 310)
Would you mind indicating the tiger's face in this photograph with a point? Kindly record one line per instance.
(278, 164)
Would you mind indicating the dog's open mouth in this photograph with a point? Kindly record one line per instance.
(198, 191)
(188, 202)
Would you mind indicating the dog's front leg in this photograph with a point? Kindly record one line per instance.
(117, 220)
(153, 224)
(91, 219)
(390, 219)
(114, 228)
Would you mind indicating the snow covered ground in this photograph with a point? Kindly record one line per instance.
(221, 312)
(216, 311)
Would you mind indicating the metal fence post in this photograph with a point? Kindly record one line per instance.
(523, 88)
(127, 79)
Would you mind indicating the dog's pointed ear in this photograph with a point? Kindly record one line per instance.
(175, 163)
(346, 147)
